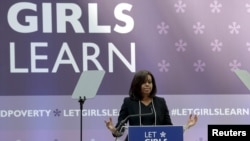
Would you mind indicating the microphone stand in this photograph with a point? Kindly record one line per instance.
(122, 123)
(81, 101)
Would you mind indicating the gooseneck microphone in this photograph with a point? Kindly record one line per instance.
(119, 127)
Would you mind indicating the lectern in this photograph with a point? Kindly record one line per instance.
(155, 133)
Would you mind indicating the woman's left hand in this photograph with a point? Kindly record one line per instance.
(192, 120)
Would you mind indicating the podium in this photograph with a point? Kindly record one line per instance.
(155, 133)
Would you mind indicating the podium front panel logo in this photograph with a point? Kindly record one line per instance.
(155, 136)
(155, 133)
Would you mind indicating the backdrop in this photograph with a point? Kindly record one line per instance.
(192, 47)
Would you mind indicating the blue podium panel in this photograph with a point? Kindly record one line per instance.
(155, 133)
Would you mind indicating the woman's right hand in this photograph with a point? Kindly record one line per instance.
(110, 125)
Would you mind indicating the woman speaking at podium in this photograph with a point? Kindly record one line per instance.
(143, 107)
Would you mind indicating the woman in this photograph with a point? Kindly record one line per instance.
(147, 108)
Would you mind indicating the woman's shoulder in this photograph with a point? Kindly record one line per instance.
(157, 98)
(129, 99)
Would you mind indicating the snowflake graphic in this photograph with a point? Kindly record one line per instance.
(57, 112)
(216, 44)
(248, 45)
(163, 28)
(198, 28)
(199, 66)
(163, 66)
(180, 7)
(248, 7)
(234, 28)
(201, 139)
(215, 7)
(180, 45)
(234, 65)
(163, 134)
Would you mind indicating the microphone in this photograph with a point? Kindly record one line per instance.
(134, 115)
(120, 126)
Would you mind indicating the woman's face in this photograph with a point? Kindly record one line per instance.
(147, 86)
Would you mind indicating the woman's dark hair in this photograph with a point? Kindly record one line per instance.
(140, 78)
